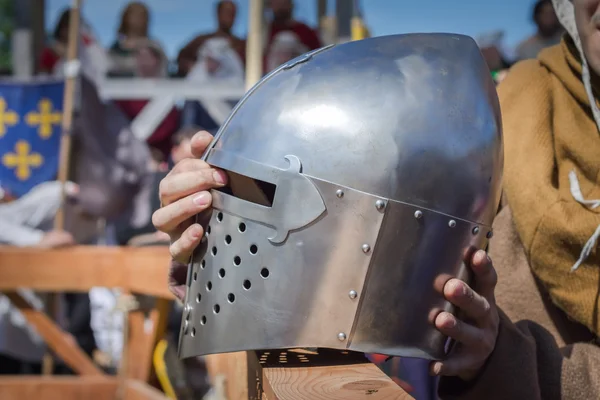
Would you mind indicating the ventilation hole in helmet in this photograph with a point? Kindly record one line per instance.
(222, 273)
(214, 250)
(253, 249)
(208, 229)
(264, 273)
(242, 227)
(220, 217)
(231, 298)
(198, 298)
(193, 332)
(227, 239)
(203, 264)
(195, 277)
(203, 320)
(217, 308)
(237, 260)
(247, 284)
(209, 286)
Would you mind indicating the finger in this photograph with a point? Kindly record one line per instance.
(175, 187)
(182, 249)
(188, 165)
(177, 279)
(200, 142)
(473, 305)
(169, 217)
(485, 274)
(463, 333)
(455, 366)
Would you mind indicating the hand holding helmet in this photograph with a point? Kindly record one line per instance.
(183, 194)
(476, 335)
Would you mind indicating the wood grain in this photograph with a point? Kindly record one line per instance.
(73, 388)
(347, 382)
(234, 368)
(51, 388)
(79, 268)
(55, 337)
(137, 390)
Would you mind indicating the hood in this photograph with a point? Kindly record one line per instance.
(566, 15)
(231, 67)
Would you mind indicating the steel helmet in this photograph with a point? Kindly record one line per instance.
(361, 175)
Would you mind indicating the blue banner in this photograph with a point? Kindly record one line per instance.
(30, 129)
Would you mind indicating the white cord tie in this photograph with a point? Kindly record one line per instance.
(591, 204)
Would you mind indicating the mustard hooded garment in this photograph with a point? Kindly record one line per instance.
(548, 231)
(552, 170)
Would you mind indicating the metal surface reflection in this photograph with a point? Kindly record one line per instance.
(400, 137)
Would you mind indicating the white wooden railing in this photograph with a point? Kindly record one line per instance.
(164, 94)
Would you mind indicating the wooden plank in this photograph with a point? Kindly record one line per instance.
(145, 331)
(340, 382)
(137, 390)
(51, 388)
(55, 337)
(73, 388)
(323, 374)
(79, 268)
(233, 367)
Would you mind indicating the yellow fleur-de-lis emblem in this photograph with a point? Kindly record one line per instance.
(45, 119)
(22, 160)
(7, 117)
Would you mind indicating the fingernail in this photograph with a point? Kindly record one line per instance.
(435, 368)
(197, 231)
(220, 177)
(202, 199)
(450, 321)
(480, 256)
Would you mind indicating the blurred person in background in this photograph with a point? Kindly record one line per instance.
(217, 60)
(217, 63)
(226, 11)
(287, 38)
(151, 62)
(492, 50)
(27, 221)
(146, 234)
(133, 33)
(549, 31)
(57, 49)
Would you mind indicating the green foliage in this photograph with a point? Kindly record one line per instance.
(7, 24)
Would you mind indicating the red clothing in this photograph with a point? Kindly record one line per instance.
(161, 137)
(305, 33)
(48, 60)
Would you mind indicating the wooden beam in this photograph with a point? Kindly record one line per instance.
(77, 269)
(254, 43)
(233, 369)
(72, 388)
(302, 374)
(340, 382)
(145, 331)
(137, 390)
(55, 337)
(50, 388)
